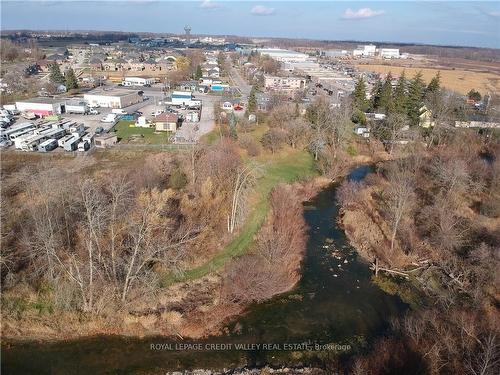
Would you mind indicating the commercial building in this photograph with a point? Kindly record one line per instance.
(389, 53)
(42, 106)
(284, 83)
(283, 55)
(184, 98)
(333, 53)
(112, 98)
(106, 140)
(138, 81)
(367, 50)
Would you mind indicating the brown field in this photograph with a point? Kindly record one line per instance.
(456, 76)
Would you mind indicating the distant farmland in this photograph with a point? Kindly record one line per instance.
(459, 80)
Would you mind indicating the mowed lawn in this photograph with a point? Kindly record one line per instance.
(285, 167)
(127, 132)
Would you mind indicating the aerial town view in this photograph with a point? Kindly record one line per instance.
(239, 187)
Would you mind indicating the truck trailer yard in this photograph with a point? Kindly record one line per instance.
(46, 136)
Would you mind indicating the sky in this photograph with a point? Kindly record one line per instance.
(460, 23)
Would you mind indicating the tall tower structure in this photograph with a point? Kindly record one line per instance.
(187, 29)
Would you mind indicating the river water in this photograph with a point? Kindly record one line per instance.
(335, 311)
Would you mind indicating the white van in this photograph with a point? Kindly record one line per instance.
(109, 118)
(119, 111)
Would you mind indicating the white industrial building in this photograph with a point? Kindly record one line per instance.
(138, 81)
(283, 55)
(112, 98)
(367, 50)
(389, 53)
(184, 98)
(334, 53)
(42, 106)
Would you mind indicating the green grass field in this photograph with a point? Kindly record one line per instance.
(211, 137)
(127, 132)
(289, 166)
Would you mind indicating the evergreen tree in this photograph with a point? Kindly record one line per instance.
(385, 101)
(233, 121)
(199, 72)
(434, 84)
(474, 95)
(252, 101)
(359, 95)
(358, 117)
(376, 93)
(399, 99)
(55, 75)
(70, 79)
(416, 90)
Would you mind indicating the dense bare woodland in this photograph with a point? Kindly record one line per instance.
(432, 217)
(104, 237)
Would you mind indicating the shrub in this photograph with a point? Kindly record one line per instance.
(177, 179)
(250, 145)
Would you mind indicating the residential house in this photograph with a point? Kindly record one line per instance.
(425, 117)
(166, 121)
(263, 102)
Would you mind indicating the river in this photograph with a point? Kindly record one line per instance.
(335, 305)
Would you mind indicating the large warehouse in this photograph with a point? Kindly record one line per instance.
(283, 55)
(112, 98)
(42, 106)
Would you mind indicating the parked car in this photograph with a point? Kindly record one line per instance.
(95, 105)
(93, 111)
(118, 111)
(158, 112)
(99, 130)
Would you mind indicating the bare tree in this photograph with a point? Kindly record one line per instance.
(145, 228)
(486, 361)
(273, 139)
(296, 131)
(392, 130)
(400, 195)
(245, 179)
(119, 189)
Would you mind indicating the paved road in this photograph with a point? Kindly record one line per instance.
(193, 131)
(240, 82)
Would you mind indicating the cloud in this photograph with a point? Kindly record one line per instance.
(361, 13)
(207, 4)
(494, 14)
(261, 10)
